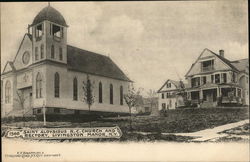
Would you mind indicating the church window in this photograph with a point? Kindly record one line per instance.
(42, 51)
(75, 92)
(57, 31)
(36, 53)
(38, 86)
(57, 85)
(60, 53)
(121, 95)
(7, 92)
(39, 30)
(100, 92)
(111, 93)
(52, 51)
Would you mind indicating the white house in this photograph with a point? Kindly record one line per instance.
(47, 71)
(214, 80)
(168, 97)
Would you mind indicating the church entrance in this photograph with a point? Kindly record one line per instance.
(24, 98)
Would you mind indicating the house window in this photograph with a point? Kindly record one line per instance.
(121, 95)
(39, 111)
(57, 31)
(111, 93)
(168, 85)
(42, 51)
(57, 85)
(75, 92)
(212, 78)
(207, 65)
(60, 53)
(100, 92)
(204, 80)
(224, 77)
(195, 82)
(7, 92)
(233, 77)
(163, 106)
(162, 95)
(52, 52)
(56, 110)
(36, 53)
(217, 78)
(39, 30)
(38, 86)
(239, 92)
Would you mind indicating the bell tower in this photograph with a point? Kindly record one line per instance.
(49, 36)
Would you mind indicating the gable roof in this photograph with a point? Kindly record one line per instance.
(226, 61)
(11, 65)
(241, 65)
(93, 63)
(176, 83)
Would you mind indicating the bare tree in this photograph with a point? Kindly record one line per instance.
(88, 95)
(21, 100)
(131, 98)
(151, 97)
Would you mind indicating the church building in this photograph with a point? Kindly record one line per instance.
(47, 72)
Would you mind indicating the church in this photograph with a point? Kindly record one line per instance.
(47, 72)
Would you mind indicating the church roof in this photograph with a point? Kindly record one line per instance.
(50, 14)
(93, 63)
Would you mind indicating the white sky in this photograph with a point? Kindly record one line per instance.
(150, 41)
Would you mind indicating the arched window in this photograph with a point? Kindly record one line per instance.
(52, 51)
(36, 53)
(7, 92)
(60, 53)
(57, 85)
(38, 86)
(121, 95)
(75, 91)
(100, 92)
(111, 93)
(42, 51)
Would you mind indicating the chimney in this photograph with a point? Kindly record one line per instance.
(221, 53)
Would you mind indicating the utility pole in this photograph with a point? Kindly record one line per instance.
(44, 115)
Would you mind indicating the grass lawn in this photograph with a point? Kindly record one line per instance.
(176, 121)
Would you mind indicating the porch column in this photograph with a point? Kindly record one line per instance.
(218, 91)
(236, 93)
(201, 94)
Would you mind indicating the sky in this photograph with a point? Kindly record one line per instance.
(150, 41)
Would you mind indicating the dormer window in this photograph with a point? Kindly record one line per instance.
(207, 65)
(56, 31)
(39, 30)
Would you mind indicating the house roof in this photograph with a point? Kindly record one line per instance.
(176, 83)
(225, 61)
(50, 14)
(231, 64)
(93, 63)
(241, 65)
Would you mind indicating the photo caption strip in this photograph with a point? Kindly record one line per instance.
(65, 133)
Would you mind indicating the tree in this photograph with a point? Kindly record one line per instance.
(152, 98)
(182, 92)
(88, 96)
(21, 100)
(131, 98)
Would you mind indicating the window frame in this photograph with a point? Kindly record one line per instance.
(100, 92)
(56, 85)
(111, 94)
(75, 89)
